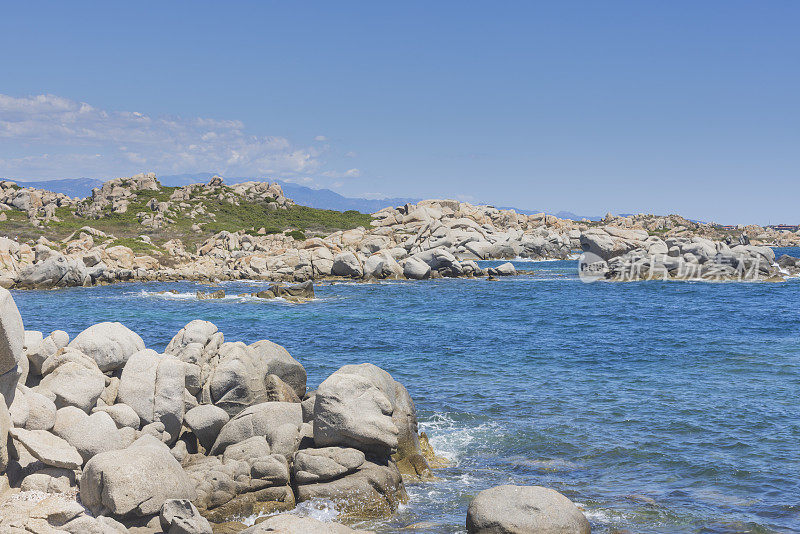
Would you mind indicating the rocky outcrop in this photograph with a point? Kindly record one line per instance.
(209, 429)
(690, 259)
(429, 239)
(524, 510)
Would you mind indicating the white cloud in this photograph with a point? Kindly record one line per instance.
(302, 180)
(320, 138)
(350, 173)
(47, 136)
(374, 196)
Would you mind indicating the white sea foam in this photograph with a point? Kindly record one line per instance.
(596, 515)
(319, 509)
(451, 439)
(192, 295)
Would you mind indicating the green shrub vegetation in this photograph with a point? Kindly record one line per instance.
(296, 234)
(249, 216)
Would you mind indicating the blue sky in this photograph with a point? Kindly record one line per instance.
(663, 107)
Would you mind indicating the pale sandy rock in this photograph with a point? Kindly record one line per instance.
(48, 448)
(137, 480)
(12, 335)
(524, 509)
(109, 344)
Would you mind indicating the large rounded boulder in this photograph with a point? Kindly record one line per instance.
(135, 481)
(108, 344)
(363, 407)
(524, 510)
(12, 336)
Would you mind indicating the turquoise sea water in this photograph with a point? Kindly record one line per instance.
(658, 407)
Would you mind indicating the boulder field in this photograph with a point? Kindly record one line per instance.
(634, 255)
(429, 239)
(101, 434)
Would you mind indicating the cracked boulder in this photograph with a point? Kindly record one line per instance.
(279, 422)
(238, 379)
(153, 384)
(328, 463)
(135, 481)
(279, 362)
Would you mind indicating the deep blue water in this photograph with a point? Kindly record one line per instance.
(656, 406)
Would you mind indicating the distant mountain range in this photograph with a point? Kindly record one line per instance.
(305, 196)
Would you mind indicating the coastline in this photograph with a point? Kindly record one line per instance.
(416, 241)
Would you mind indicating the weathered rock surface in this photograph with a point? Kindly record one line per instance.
(524, 509)
(72, 384)
(49, 480)
(363, 407)
(12, 336)
(294, 524)
(373, 490)
(279, 362)
(237, 380)
(206, 421)
(328, 463)
(279, 422)
(89, 434)
(134, 481)
(31, 410)
(180, 516)
(48, 448)
(108, 344)
(153, 384)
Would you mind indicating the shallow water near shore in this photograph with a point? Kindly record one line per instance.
(658, 407)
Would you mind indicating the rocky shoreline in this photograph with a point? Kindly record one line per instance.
(99, 434)
(430, 239)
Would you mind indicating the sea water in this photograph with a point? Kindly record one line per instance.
(657, 407)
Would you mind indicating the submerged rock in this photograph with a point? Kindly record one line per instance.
(506, 269)
(374, 489)
(218, 294)
(296, 292)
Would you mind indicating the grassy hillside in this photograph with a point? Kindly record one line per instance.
(250, 216)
